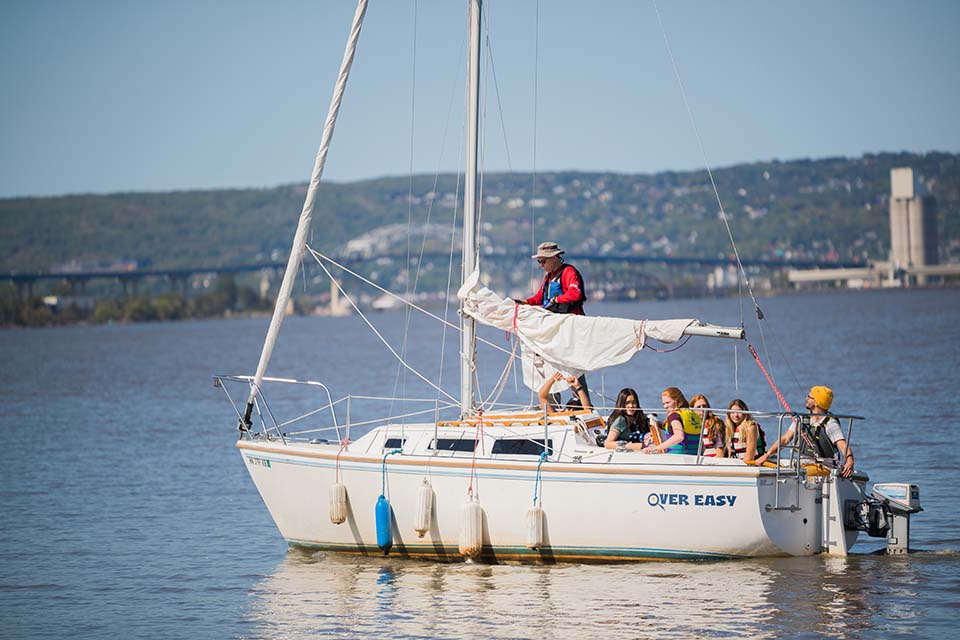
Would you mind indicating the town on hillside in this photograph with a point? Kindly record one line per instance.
(876, 221)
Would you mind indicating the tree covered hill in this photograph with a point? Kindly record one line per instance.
(834, 208)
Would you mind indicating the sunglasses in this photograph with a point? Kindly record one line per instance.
(542, 260)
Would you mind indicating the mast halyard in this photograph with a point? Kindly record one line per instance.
(467, 347)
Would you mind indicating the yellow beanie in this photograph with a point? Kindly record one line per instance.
(823, 396)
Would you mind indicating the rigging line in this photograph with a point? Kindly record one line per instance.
(536, 108)
(320, 257)
(736, 369)
(706, 164)
(713, 183)
(475, 372)
(483, 147)
(443, 146)
(362, 397)
(766, 351)
(496, 92)
(306, 214)
(446, 301)
(377, 333)
(361, 423)
(501, 383)
(786, 362)
(312, 413)
(401, 378)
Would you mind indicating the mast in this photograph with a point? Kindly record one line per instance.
(306, 215)
(467, 353)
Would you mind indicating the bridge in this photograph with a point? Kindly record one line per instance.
(129, 279)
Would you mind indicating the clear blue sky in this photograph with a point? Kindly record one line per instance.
(102, 96)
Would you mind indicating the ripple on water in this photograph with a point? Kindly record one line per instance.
(128, 513)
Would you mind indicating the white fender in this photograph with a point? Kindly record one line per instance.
(424, 509)
(338, 503)
(471, 528)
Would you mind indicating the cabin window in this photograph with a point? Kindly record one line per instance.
(394, 443)
(521, 447)
(453, 444)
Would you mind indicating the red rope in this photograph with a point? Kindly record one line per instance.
(780, 397)
(478, 439)
(753, 352)
(343, 443)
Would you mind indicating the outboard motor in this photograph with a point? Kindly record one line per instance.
(887, 513)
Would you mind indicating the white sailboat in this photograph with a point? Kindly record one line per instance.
(462, 487)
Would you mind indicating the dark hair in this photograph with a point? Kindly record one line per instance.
(638, 421)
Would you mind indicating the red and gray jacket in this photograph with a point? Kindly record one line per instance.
(561, 292)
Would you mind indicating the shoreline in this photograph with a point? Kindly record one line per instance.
(323, 311)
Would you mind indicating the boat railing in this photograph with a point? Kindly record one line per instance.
(273, 428)
(796, 467)
(799, 464)
(518, 420)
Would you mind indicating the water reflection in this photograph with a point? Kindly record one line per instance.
(327, 595)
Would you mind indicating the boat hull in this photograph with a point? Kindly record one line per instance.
(602, 511)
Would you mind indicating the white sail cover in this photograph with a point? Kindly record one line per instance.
(567, 343)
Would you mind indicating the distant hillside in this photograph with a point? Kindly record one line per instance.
(829, 208)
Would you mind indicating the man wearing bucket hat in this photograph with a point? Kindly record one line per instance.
(821, 438)
(561, 291)
(562, 288)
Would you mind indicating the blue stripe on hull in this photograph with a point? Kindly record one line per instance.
(576, 477)
(522, 554)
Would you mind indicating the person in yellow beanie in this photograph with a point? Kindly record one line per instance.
(823, 396)
(821, 439)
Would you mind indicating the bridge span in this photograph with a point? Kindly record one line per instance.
(130, 279)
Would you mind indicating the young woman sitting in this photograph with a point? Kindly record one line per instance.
(743, 433)
(628, 424)
(682, 425)
(713, 428)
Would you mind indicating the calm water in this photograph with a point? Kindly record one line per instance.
(127, 511)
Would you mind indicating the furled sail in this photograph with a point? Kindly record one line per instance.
(567, 343)
(306, 214)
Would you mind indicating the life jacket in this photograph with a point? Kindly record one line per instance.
(709, 444)
(739, 443)
(630, 434)
(553, 287)
(691, 433)
(814, 440)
